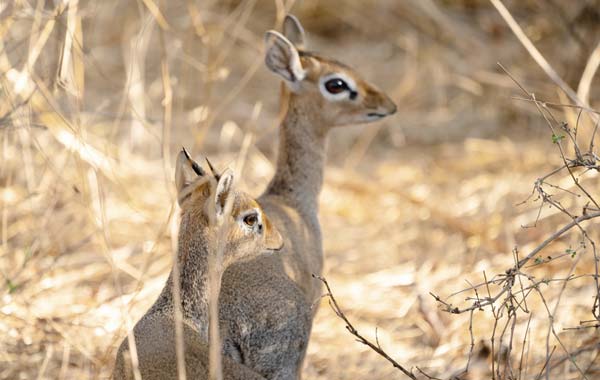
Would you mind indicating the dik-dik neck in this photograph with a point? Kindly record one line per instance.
(299, 174)
(194, 277)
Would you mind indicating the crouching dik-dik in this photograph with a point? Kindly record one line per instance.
(268, 300)
(203, 199)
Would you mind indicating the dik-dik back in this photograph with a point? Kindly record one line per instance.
(268, 301)
(157, 358)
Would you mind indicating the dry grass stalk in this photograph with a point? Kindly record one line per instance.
(215, 265)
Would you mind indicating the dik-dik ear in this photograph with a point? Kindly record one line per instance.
(186, 172)
(294, 32)
(223, 192)
(282, 58)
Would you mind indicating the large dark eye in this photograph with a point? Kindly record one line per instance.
(251, 219)
(336, 86)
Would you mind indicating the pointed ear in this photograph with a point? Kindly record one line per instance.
(294, 32)
(282, 58)
(223, 192)
(186, 172)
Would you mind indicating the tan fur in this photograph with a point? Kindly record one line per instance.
(200, 197)
(331, 114)
(267, 302)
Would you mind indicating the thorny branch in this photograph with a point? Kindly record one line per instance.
(508, 301)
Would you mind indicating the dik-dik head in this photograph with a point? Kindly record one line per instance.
(209, 202)
(335, 91)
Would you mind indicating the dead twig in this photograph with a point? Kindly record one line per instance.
(373, 346)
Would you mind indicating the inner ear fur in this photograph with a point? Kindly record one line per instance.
(283, 58)
(224, 191)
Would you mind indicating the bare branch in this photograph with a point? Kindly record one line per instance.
(375, 347)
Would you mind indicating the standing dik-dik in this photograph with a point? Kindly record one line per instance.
(203, 200)
(267, 301)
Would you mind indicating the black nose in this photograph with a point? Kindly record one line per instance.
(393, 109)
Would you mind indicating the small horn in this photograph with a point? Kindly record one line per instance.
(197, 169)
(212, 169)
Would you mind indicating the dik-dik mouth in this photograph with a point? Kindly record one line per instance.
(376, 114)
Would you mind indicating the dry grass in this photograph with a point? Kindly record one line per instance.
(99, 96)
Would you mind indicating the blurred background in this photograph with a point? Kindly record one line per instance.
(98, 97)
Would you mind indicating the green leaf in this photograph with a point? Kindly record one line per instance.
(557, 138)
(11, 286)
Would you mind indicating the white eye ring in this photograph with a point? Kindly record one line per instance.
(344, 95)
(245, 227)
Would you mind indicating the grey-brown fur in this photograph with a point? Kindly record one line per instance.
(200, 198)
(155, 342)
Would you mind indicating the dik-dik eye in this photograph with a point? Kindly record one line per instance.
(251, 219)
(336, 86)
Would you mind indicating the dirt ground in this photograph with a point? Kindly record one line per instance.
(99, 96)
